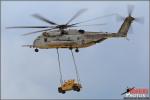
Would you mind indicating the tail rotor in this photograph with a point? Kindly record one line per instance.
(130, 14)
(126, 26)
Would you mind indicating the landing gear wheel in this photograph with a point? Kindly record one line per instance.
(76, 50)
(76, 88)
(61, 91)
(36, 50)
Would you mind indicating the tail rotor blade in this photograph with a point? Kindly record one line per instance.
(130, 9)
(139, 20)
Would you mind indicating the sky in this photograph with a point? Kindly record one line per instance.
(105, 69)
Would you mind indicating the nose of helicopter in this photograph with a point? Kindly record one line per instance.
(38, 44)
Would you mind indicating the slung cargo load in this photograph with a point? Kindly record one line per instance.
(69, 85)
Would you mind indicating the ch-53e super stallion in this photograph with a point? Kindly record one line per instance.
(63, 36)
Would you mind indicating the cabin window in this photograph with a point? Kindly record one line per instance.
(81, 31)
(45, 39)
(68, 38)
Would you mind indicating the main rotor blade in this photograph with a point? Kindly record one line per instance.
(93, 19)
(119, 17)
(39, 31)
(44, 19)
(30, 27)
(92, 25)
(76, 15)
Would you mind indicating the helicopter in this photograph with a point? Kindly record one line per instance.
(62, 36)
(128, 90)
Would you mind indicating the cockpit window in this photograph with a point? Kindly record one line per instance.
(38, 38)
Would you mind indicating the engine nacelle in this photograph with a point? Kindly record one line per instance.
(46, 34)
(49, 34)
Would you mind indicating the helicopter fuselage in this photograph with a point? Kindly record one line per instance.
(71, 38)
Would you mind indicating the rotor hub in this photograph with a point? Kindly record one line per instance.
(61, 26)
(131, 18)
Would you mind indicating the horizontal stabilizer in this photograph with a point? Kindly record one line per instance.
(30, 46)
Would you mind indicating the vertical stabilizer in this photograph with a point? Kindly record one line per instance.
(126, 25)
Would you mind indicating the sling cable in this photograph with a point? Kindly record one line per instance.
(69, 84)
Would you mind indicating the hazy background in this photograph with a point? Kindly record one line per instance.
(106, 69)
